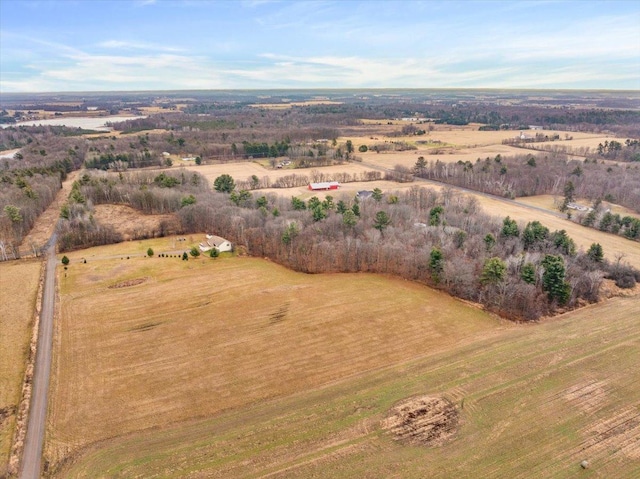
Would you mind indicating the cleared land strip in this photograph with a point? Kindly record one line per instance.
(32, 454)
(46, 223)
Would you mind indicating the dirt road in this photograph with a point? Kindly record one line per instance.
(32, 454)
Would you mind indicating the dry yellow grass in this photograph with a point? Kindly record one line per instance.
(203, 336)
(534, 400)
(550, 202)
(243, 171)
(452, 155)
(130, 223)
(18, 289)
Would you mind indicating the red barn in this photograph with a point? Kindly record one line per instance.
(325, 185)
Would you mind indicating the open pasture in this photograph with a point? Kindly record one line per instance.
(408, 158)
(149, 342)
(533, 401)
(469, 136)
(242, 171)
(18, 290)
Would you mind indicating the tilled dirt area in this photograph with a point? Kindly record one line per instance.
(424, 420)
(128, 283)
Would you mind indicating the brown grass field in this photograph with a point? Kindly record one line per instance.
(241, 368)
(242, 171)
(18, 290)
(197, 338)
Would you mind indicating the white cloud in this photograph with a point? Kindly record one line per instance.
(127, 45)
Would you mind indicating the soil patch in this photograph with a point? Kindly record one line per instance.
(133, 224)
(127, 283)
(424, 420)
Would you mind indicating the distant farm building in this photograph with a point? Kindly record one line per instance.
(577, 207)
(522, 136)
(363, 194)
(325, 185)
(216, 242)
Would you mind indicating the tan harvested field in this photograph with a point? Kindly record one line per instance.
(18, 290)
(149, 342)
(580, 141)
(469, 136)
(299, 387)
(549, 202)
(242, 171)
(408, 158)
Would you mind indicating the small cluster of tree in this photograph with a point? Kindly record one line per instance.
(616, 150)
(264, 150)
(84, 232)
(605, 220)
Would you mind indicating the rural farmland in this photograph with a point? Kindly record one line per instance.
(319, 413)
(456, 319)
(225, 347)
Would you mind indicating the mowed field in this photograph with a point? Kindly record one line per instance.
(269, 373)
(150, 342)
(18, 290)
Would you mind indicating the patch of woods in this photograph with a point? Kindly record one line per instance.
(530, 175)
(30, 181)
(444, 240)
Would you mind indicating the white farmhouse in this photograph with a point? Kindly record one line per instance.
(216, 242)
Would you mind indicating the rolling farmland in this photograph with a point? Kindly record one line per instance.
(539, 398)
(172, 340)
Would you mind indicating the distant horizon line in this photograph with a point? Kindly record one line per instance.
(295, 89)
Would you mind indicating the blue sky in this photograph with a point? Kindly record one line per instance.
(91, 45)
